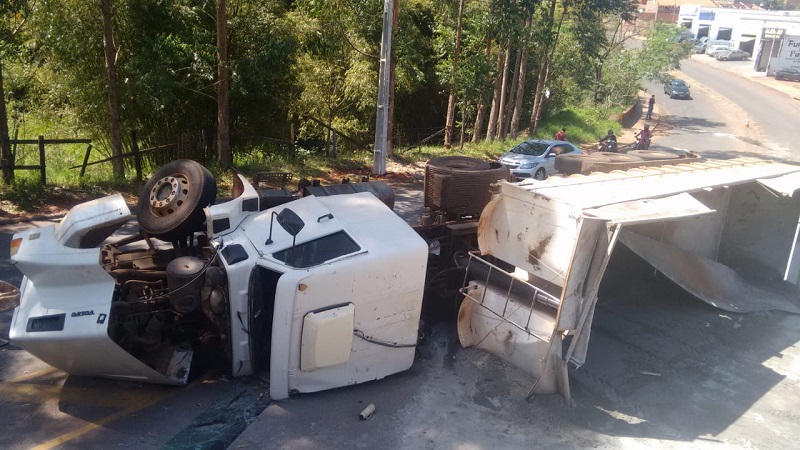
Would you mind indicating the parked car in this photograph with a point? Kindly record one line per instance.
(700, 47)
(677, 88)
(536, 157)
(731, 55)
(789, 73)
(719, 47)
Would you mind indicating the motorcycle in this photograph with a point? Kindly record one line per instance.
(641, 144)
(607, 146)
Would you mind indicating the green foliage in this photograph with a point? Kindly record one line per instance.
(662, 51)
(26, 193)
(309, 58)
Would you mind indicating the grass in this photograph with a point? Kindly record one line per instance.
(583, 126)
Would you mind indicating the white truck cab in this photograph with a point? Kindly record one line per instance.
(324, 292)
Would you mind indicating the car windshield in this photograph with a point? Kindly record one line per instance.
(678, 83)
(530, 148)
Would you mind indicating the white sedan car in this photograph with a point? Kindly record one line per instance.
(536, 157)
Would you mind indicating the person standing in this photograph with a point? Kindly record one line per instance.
(650, 104)
(561, 135)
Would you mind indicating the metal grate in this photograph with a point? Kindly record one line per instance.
(272, 180)
(517, 292)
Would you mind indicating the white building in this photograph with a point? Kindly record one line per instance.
(764, 34)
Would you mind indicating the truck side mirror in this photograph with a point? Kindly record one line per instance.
(289, 221)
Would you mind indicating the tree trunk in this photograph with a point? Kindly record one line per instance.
(476, 130)
(5, 142)
(538, 97)
(392, 68)
(544, 68)
(117, 163)
(463, 121)
(490, 131)
(481, 109)
(224, 156)
(521, 74)
(503, 88)
(451, 99)
(514, 127)
(511, 94)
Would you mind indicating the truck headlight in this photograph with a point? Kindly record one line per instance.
(15, 244)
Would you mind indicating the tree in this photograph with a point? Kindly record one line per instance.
(451, 100)
(13, 15)
(113, 98)
(520, 81)
(223, 88)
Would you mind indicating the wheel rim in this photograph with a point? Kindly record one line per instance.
(539, 175)
(168, 194)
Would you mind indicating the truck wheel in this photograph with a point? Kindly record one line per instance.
(540, 175)
(459, 163)
(651, 155)
(620, 157)
(572, 164)
(172, 201)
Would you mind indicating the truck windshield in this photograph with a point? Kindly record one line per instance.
(317, 251)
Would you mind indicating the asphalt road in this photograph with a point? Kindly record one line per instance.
(728, 115)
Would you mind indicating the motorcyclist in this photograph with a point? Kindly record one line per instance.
(608, 143)
(643, 138)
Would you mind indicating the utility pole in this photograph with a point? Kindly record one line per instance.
(382, 116)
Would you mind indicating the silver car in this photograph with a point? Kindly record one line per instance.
(536, 157)
(730, 55)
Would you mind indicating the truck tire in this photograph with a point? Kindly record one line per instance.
(620, 157)
(457, 186)
(584, 163)
(172, 201)
(652, 155)
(459, 163)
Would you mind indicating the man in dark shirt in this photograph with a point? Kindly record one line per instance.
(650, 104)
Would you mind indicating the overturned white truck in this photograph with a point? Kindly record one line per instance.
(324, 291)
(726, 231)
(327, 291)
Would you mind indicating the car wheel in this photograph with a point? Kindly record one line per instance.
(540, 175)
(172, 201)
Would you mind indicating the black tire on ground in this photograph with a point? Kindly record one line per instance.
(540, 174)
(459, 163)
(620, 157)
(172, 201)
(572, 164)
(651, 155)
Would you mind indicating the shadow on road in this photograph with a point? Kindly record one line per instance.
(670, 124)
(664, 365)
